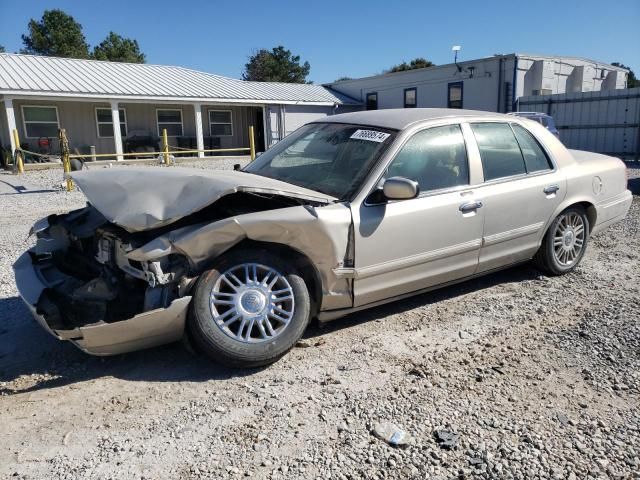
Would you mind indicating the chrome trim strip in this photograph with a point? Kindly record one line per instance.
(418, 259)
(328, 315)
(342, 272)
(513, 178)
(511, 234)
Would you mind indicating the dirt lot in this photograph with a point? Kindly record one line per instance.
(515, 375)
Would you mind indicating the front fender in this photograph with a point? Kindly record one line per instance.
(320, 233)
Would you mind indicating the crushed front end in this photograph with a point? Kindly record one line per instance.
(80, 285)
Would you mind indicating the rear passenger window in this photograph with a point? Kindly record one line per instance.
(436, 158)
(534, 157)
(499, 150)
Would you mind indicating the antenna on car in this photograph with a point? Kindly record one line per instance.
(455, 49)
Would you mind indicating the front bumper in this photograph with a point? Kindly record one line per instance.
(147, 329)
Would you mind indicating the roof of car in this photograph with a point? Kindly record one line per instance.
(529, 114)
(400, 118)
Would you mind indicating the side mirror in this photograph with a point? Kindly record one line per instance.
(400, 188)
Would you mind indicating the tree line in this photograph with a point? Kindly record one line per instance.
(58, 34)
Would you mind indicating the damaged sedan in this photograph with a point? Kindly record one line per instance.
(344, 214)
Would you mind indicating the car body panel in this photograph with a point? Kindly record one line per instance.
(516, 209)
(320, 233)
(516, 212)
(391, 263)
(597, 180)
(148, 329)
(413, 244)
(139, 199)
(362, 253)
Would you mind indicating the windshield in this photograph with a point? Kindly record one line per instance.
(332, 158)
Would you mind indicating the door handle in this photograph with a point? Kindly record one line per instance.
(551, 189)
(470, 206)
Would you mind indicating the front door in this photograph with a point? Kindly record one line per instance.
(521, 192)
(409, 245)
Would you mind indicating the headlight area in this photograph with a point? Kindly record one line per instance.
(88, 279)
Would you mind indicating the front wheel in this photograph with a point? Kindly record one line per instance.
(565, 242)
(250, 309)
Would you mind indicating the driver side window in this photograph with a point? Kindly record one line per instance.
(436, 158)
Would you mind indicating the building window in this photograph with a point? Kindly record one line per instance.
(410, 98)
(170, 120)
(105, 123)
(372, 101)
(220, 123)
(40, 121)
(454, 95)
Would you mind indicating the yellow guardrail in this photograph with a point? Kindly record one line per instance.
(252, 144)
(18, 156)
(165, 153)
(149, 154)
(66, 158)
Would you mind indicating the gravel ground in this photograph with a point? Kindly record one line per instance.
(514, 375)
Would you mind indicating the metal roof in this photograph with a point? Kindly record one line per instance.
(400, 118)
(66, 77)
(472, 61)
(560, 58)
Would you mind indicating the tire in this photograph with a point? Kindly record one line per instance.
(561, 252)
(267, 338)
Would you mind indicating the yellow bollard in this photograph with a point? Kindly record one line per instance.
(18, 155)
(66, 161)
(165, 147)
(252, 144)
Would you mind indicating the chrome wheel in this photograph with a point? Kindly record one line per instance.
(252, 303)
(568, 238)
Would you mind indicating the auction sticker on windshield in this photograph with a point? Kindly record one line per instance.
(370, 135)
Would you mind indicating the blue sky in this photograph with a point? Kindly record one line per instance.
(347, 38)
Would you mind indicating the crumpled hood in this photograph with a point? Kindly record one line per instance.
(139, 198)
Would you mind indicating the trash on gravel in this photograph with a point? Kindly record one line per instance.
(392, 434)
(310, 343)
(446, 438)
(562, 418)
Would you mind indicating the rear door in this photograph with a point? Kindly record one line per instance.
(522, 188)
(405, 246)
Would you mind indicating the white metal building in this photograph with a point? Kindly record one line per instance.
(605, 121)
(86, 97)
(490, 84)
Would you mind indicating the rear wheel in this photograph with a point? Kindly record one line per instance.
(250, 309)
(565, 242)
